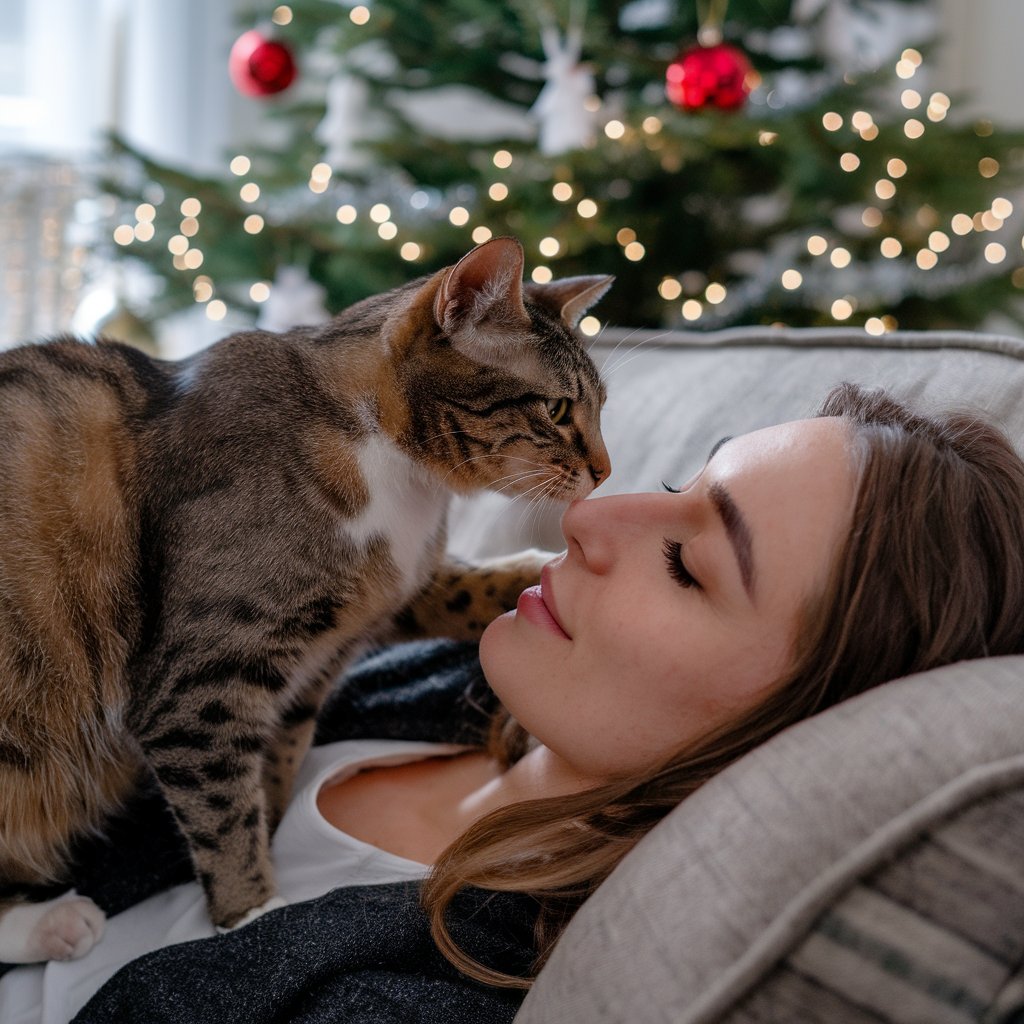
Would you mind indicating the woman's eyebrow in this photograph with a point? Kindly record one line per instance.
(738, 532)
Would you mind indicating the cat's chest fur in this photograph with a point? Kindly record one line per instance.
(406, 507)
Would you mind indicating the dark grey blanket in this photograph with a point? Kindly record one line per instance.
(357, 954)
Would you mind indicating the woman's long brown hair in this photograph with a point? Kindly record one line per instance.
(931, 573)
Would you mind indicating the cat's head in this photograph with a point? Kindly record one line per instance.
(500, 391)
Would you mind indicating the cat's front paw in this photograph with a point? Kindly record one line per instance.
(250, 915)
(62, 929)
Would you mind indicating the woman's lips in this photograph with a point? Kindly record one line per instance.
(536, 605)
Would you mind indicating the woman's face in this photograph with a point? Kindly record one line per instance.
(670, 614)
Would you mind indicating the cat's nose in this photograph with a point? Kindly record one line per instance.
(600, 469)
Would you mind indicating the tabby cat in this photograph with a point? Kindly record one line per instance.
(190, 551)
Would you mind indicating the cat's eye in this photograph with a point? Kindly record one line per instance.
(560, 410)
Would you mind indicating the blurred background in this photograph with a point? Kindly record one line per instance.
(171, 170)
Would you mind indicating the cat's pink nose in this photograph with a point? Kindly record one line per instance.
(600, 469)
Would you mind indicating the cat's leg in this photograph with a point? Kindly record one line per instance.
(462, 599)
(205, 746)
(65, 928)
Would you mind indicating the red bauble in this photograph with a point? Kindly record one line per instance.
(717, 76)
(260, 66)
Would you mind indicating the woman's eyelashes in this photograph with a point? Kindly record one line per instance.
(673, 551)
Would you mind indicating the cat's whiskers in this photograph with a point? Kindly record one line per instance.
(491, 455)
(609, 368)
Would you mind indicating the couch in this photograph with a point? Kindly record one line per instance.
(865, 865)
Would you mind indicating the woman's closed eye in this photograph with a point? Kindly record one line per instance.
(673, 551)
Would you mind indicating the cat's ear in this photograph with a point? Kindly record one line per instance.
(570, 297)
(485, 285)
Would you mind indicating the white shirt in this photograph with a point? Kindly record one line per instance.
(310, 857)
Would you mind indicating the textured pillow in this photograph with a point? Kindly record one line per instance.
(671, 395)
(738, 874)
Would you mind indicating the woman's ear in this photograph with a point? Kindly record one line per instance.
(485, 286)
(570, 297)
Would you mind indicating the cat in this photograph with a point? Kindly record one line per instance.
(191, 551)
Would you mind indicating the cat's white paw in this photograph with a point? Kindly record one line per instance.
(250, 915)
(62, 929)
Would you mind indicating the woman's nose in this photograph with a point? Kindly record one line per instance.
(598, 530)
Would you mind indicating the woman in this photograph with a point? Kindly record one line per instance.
(804, 564)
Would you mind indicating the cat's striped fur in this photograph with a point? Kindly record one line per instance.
(189, 552)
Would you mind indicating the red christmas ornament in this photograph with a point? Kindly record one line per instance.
(260, 66)
(717, 76)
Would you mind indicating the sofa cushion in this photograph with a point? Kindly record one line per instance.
(736, 876)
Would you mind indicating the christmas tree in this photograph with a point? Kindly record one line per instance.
(767, 161)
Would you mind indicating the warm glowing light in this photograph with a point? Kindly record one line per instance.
(359, 15)
(849, 161)
(926, 259)
(124, 234)
(904, 69)
(842, 309)
(862, 120)
(346, 213)
(459, 216)
(178, 262)
(792, 279)
(625, 235)
(891, 247)
(320, 172)
(481, 234)
(614, 129)
(410, 251)
(562, 191)
(988, 167)
(715, 293)
(817, 245)
(874, 325)
(216, 310)
(911, 99)
(692, 309)
(652, 125)
(502, 159)
(896, 167)
(670, 289)
(193, 259)
(995, 253)
(912, 56)
(249, 193)
(590, 326)
(913, 129)
(542, 274)
(840, 257)
(872, 217)
(498, 191)
(884, 188)
(177, 245)
(832, 121)
(962, 224)
(870, 133)
(634, 252)
(260, 291)
(253, 224)
(189, 226)
(317, 186)
(145, 212)
(380, 212)
(145, 231)
(191, 207)
(282, 16)
(938, 241)
(549, 246)
(1002, 207)
(767, 138)
(586, 208)
(202, 289)
(990, 222)
(240, 165)
(387, 230)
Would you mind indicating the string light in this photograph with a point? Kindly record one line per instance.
(124, 234)
(833, 121)
(910, 98)
(253, 224)
(498, 191)
(670, 289)
(387, 230)
(926, 259)
(1002, 208)
(891, 247)
(938, 241)
(995, 253)
(359, 15)
(542, 274)
(562, 191)
(896, 167)
(410, 251)
(549, 246)
(614, 129)
(380, 212)
(259, 292)
(216, 310)
(849, 161)
(346, 214)
(842, 309)
(840, 257)
(586, 208)
(240, 165)
(817, 245)
(145, 231)
(459, 216)
(872, 217)
(715, 293)
(189, 227)
(875, 326)
(962, 224)
(767, 138)
(692, 309)
(481, 234)
(193, 259)
(884, 188)
(590, 326)
(988, 167)
(191, 207)
(202, 289)
(248, 193)
(634, 252)
(792, 279)
(502, 159)
(177, 245)
(625, 235)
(990, 222)
(145, 212)
(652, 125)
(913, 129)
(282, 16)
